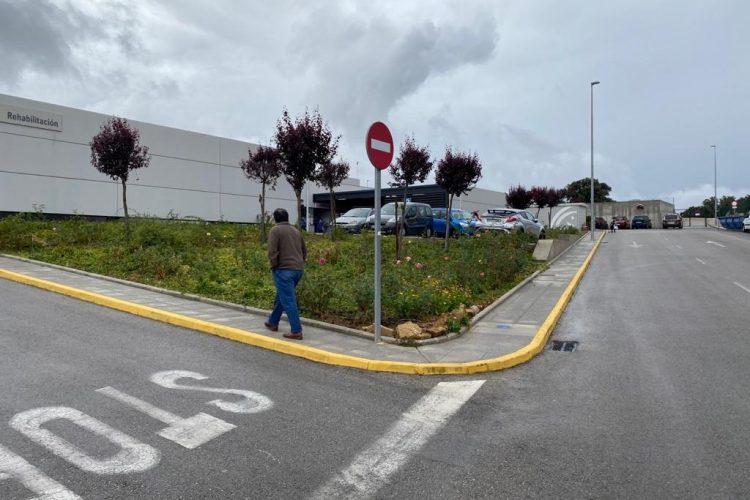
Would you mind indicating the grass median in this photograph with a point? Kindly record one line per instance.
(227, 261)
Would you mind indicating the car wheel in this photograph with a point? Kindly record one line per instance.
(542, 235)
(427, 232)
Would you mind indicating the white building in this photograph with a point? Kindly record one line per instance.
(45, 164)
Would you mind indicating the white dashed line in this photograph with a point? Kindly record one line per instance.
(372, 468)
(701, 261)
(743, 287)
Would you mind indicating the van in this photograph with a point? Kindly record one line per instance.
(417, 219)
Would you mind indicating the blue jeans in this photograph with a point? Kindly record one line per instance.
(286, 298)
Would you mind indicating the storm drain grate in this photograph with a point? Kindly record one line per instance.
(564, 345)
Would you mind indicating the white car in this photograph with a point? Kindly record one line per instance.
(746, 224)
(354, 220)
(511, 220)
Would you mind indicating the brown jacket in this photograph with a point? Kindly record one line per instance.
(286, 247)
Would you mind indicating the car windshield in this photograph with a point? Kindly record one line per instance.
(390, 209)
(461, 215)
(357, 212)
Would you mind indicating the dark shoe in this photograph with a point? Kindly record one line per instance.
(273, 328)
(293, 336)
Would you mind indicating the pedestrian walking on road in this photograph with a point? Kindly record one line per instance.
(286, 255)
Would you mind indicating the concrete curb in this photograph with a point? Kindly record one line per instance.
(197, 298)
(246, 337)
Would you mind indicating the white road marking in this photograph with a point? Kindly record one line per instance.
(189, 432)
(635, 245)
(743, 287)
(372, 468)
(15, 467)
(714, 243)
(678, 246)
(701, 261)
(133, 456)
(253, 402)
(383, 146)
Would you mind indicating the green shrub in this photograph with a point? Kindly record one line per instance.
(226, 262)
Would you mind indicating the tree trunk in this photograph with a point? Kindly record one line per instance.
(333, 213)
(298, 194)
(448, 221)
(125, 208)
(263, 213)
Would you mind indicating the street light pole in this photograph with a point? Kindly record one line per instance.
(593, 217)
(716, 201)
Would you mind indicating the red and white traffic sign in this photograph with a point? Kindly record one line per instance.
(379, 145)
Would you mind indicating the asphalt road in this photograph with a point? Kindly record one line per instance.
(652, 404)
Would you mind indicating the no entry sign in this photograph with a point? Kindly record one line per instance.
(379, 145)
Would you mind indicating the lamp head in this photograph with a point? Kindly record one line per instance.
(594, 83)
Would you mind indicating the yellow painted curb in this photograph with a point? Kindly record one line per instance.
(318, 355)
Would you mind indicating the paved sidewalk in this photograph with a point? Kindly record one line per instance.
(504, 331)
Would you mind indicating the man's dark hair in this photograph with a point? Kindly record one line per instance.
(280, 215)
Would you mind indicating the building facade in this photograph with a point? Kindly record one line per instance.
(45, 165)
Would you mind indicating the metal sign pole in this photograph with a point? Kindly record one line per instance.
(377, 256)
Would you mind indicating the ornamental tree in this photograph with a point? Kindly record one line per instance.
(457, 173)
(115, 151)
(412, 165)
(554, 198)
(264, 166)
(303, 144)
(540, 195)
(518, 197)
(330, 176)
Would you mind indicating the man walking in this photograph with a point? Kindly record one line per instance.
(286, 255)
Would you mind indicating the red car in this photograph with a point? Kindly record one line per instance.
(622, 222)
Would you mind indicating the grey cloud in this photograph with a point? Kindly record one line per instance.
(33, 35)
(364, 67)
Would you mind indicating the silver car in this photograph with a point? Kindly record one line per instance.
(353, 220)
(511, 220)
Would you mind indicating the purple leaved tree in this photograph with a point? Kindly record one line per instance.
(330, 176)
(457, 173)
(518, 197)
(115, 151)
(304, 144)
(412, 165)
(554, 198)
(264, 166)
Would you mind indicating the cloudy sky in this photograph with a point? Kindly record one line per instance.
(507, 79)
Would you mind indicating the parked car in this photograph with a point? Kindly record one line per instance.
(641, 222)
(354, 219)
(460, 222)
(511, 220)
(671, 220)
(621, 221)
(417, 219)
(600, 223)
(746, 225)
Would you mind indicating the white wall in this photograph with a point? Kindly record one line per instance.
(190, 174)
